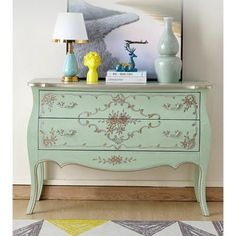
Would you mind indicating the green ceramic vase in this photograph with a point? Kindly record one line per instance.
(168, 65)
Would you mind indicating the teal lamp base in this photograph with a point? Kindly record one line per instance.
(70, 67)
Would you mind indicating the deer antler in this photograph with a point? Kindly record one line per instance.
(127, 47)
(136, 42)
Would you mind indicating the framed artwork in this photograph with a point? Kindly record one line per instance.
(110, 22)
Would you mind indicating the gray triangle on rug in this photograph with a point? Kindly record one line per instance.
(29, 230)
(189, 230)
(146, 228)
(218, 227)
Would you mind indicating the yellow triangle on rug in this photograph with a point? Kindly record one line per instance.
(77, 227)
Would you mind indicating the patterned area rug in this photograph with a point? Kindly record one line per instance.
(116, 228)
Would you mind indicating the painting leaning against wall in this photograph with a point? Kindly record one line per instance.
(110, 22)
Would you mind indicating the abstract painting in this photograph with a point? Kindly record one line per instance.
(110, 22)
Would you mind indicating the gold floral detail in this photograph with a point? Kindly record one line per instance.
(49, 140)
(189, 142)
(119, 99)
(190, 101)
(117, 122)
(115, 127)
(114, 160)
(48, 99)
(52, 138)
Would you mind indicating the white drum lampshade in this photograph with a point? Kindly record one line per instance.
(70, 28)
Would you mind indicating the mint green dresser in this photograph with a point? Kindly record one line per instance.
(119, 128)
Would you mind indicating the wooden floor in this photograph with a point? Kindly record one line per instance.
(117, 210)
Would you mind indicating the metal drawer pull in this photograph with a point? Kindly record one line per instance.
(175, 107)
(70, 133)
(176, 134)
(71, 105)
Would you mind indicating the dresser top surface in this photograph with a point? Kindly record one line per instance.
(56, 83)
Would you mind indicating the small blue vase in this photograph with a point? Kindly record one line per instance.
(168, 65)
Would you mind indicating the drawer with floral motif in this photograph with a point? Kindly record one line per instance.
(119, 133)
(137, 105)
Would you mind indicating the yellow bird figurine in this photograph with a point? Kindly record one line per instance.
(92, 60)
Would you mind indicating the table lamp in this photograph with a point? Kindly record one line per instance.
(70, 28)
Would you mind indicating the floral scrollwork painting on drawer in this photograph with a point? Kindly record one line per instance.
(51, 138)
(50, 100)
(138, 105)
(189, 101)
(187, 140)
(118, 132)
(122, 101)
(119, 127)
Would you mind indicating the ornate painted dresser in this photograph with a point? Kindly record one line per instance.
(119, 128)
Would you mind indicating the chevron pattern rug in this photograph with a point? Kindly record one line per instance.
(116, 228)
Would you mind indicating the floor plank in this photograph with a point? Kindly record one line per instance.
(107, 193)
(117, 210)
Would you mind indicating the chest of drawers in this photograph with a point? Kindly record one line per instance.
(119, 128)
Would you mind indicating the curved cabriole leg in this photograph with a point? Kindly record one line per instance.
(32, 144)
(196, 183)
(202, 190)
(34, 189)
(40, 180)
(205, 151)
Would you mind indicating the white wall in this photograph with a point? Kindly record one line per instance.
(36, 56)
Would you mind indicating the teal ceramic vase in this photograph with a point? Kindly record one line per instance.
(168, 65)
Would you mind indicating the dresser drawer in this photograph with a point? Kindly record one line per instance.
(74, 104)
(119, 134)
